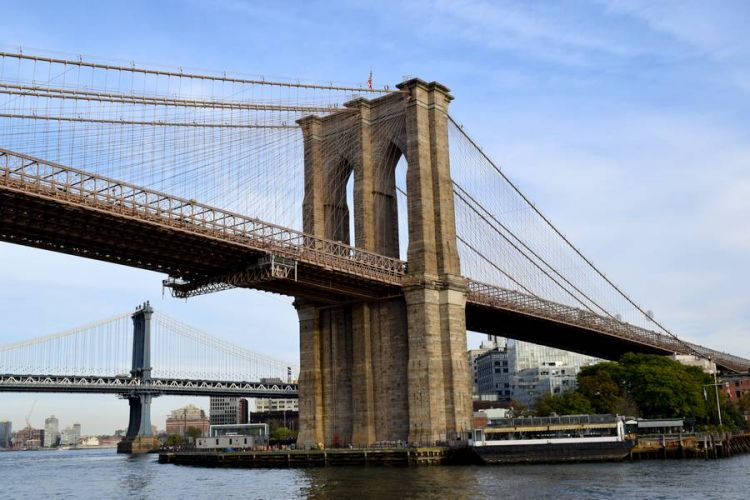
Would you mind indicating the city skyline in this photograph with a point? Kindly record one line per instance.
(627, 127)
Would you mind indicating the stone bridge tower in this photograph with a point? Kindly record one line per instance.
(394, 369)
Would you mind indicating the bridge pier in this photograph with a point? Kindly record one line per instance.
(394, 369)
(139, 438)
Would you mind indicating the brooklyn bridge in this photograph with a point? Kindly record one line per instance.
(374, 208)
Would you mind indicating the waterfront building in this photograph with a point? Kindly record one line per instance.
(735, 387)
(493, 374)
(550, 379)
(71, 435)
(29, 438)
(472, 355)
(51, 432)
(90, 441)
(525, 355)
(523, 372)
(182, 419)
(223, 411)
(228, 410)
(244, 411)
(268, 405)
(704, 364)
(255, 430)
(6, 432)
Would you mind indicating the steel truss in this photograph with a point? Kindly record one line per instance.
(125, 385)
(268, 268)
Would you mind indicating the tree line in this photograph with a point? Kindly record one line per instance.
(647, 386)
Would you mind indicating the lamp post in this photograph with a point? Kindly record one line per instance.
(716, 390)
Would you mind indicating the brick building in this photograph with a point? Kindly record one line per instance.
(182, 419)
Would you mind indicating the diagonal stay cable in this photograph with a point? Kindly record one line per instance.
(464, 194)
(566, 240)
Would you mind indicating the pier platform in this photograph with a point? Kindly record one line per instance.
(311, 458)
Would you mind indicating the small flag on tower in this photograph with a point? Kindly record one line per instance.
(369, 80)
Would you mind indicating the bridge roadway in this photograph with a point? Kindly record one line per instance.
(126, 385)
(54, 207)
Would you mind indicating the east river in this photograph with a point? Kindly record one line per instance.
(102, 474)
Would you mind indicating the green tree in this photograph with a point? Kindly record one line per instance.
(194, 432)
(174, 440)
(743, 404)
(662, 387)
(281, 433)
(602, 386)
(568, 403)
(643, 385)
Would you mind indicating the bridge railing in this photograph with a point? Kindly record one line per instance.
(493, 296)
(124, 384)
(22, 172)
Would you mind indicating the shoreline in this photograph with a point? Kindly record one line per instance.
(708, 446)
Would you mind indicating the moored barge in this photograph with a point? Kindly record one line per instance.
(569, 438)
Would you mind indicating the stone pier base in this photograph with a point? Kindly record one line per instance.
(139, 444)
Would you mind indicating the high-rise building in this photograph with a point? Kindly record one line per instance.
(549, 379)
(472, 355)
(493, 375)
(525, 355)
(71, 435)
(6, 430)
(51, 432)
(224, 411)
(243, 411)
(182, 419)
(524, 372)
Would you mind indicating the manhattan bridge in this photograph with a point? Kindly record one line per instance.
(388, 224)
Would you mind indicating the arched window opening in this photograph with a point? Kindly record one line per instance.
(391, 220)
(402, 208)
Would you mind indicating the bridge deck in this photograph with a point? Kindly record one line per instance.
(50, 206)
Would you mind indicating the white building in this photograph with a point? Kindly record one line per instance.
(256, 430)
(523, 372)
(71, 435)
(526, 355)
(707, 366)
(554, 378)
(51, 432)
(267, 404)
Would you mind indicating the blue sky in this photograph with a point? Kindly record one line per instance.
(627, 122)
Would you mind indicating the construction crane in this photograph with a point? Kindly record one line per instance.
(28, 415)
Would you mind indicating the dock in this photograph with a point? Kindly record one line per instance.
(312, 458)
(702, 445)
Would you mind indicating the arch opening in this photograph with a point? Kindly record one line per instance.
(340, 218)
(390, 207)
